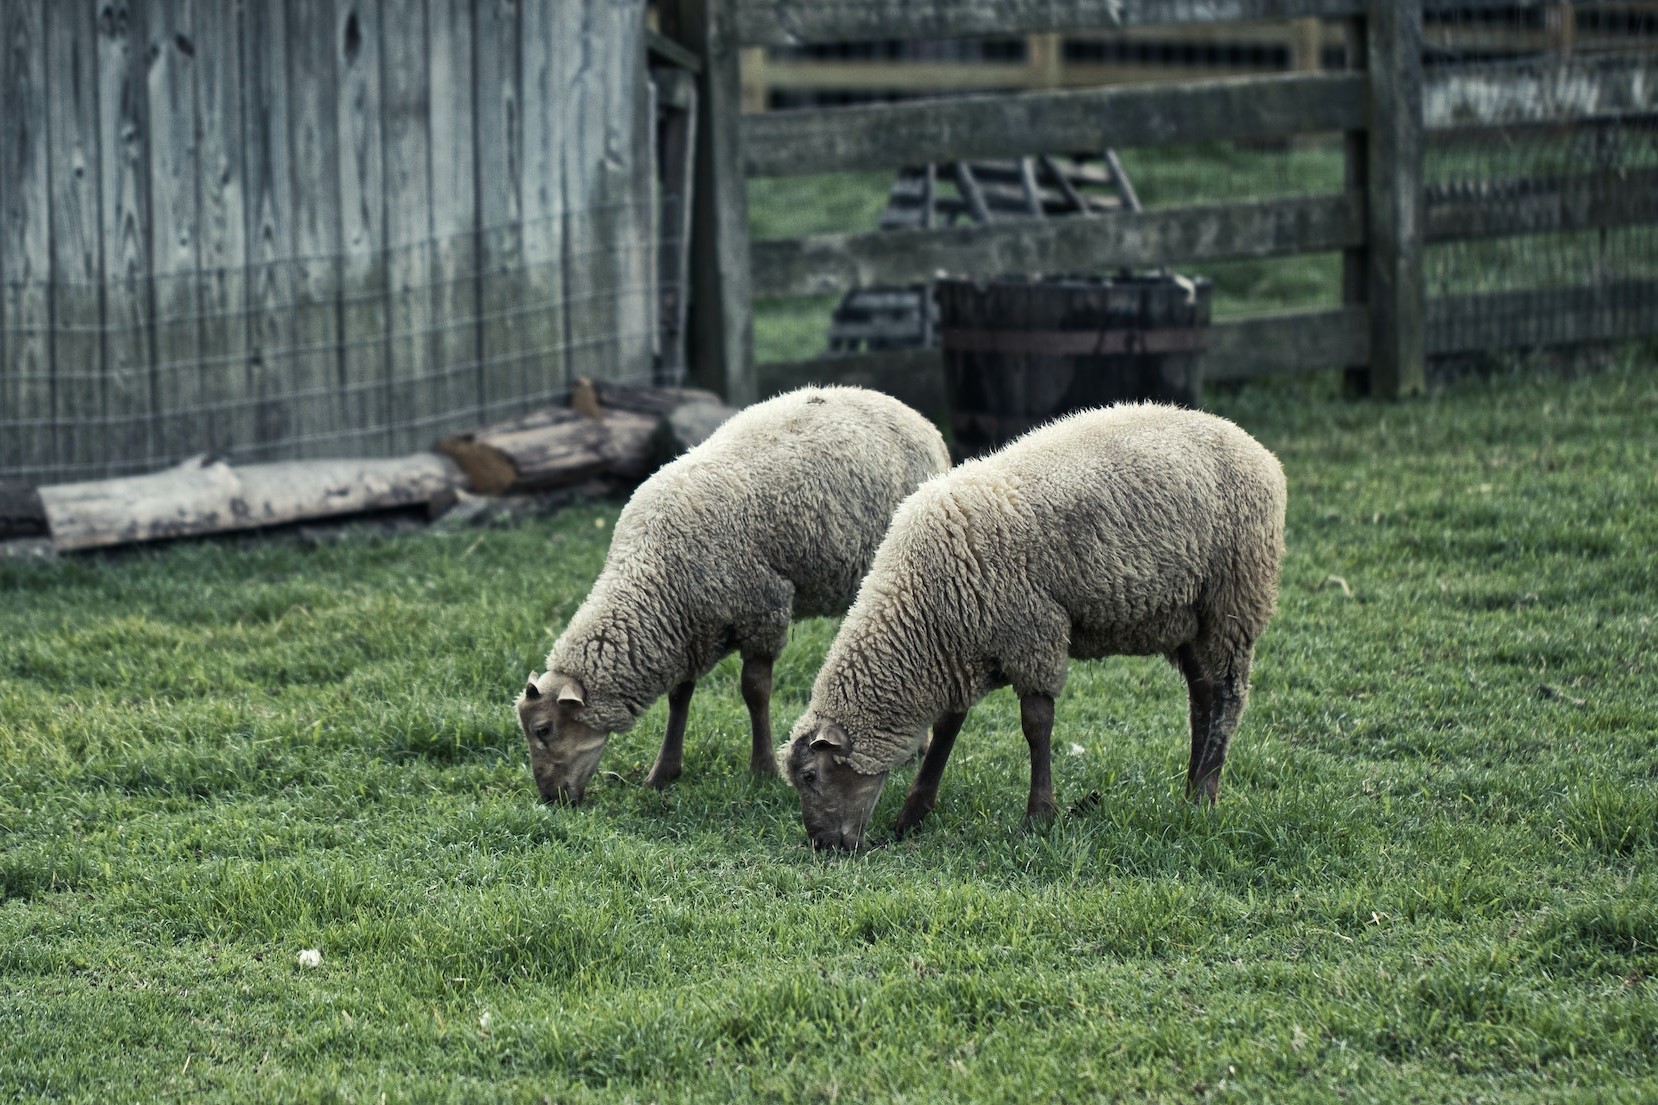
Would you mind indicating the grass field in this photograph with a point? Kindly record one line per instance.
(1433, 875)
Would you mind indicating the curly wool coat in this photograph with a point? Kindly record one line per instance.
(776, 516)
(1137, 529)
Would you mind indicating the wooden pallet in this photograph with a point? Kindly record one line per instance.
(881, 318)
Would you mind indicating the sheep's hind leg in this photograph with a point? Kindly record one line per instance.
(672, 756)
(1036, 718)
(1231, 694)
(923, 794)
(757, 696)
(1200, 690)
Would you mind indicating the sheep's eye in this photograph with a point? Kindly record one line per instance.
(809, 776)
(542, 732)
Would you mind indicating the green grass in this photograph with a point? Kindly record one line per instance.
(1433, 875)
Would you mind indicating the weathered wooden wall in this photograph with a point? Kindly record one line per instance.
(1380, 221)
(310, 227)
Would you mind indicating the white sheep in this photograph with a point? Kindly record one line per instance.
(1139, 529)
(776, 516)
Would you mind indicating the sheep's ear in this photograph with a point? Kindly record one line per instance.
(530, 689)
(572, 694)
(831, 736)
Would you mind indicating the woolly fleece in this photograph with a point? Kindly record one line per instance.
(776, 516)
(1129, 530)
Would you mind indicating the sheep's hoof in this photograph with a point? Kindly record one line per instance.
(660, 777)
(764, 769)
(1041, 812)
(910, 820)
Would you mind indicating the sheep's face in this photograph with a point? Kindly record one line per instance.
(835, 801)
(564, 753)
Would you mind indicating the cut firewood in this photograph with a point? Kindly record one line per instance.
(202, 497)
(609, 431)
(554, 448)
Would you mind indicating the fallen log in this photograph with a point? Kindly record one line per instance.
(201, 497)
(552, 448)
(609, 431)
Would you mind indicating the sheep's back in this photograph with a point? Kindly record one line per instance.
(803, 485)
(1130, 519)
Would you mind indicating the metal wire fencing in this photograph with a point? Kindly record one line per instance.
(1567, 157)
(367, 353)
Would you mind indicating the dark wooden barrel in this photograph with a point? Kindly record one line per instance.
(1019, 351)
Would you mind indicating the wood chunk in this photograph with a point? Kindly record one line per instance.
(554, 447)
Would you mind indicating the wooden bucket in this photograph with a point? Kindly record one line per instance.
(1019, 351)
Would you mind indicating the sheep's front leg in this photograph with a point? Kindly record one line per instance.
(1036, 718)
(923, 794)
(757, 696)
(672, 756)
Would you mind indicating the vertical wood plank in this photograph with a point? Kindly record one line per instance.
(675, 142)
(364, 363)
(550, 37)
(405, 134)
(123, 136)
(1355, 263)
(608, 234)
(312, 376)
(270, 211)
(499, 121)
(1395, 207)
(458, 390)
(222, 226)
(632, 130)
(78, 401)
(171, 107)
(26, 442)
(722, 322)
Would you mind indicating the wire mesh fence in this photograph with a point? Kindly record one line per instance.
(284, 230)
(1542, 174)
(1573, 64)
(306, 356)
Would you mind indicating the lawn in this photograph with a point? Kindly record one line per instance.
(1431, 876)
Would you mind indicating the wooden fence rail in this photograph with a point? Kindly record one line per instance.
(1380, 222)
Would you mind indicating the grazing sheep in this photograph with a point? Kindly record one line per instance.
(776, 516)
(1138, 529)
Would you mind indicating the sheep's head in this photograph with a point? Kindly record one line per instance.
(564, 752)
(835, 801)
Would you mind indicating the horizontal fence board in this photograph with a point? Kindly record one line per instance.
(830, 263)
(795, 22)
(1238, 349)
(1298, 341)
(1543, 205)
(1616, 311)
(1290, 342)
(1545, 90)
(791, 143)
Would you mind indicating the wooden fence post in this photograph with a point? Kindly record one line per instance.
(1395, 209)
(722, 324)
(1355, 262)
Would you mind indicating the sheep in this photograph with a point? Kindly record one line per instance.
(776, 516)
(1138, 529)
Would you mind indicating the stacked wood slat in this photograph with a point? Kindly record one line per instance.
(877, 318)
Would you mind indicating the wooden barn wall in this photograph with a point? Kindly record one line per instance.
(312, 227)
